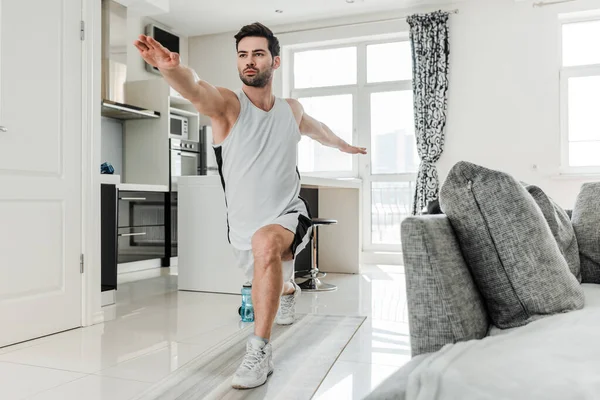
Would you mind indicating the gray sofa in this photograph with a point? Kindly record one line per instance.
(459, 290)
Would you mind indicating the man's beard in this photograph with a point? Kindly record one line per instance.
(259, 80)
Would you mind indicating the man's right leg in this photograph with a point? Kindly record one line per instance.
(268, 246)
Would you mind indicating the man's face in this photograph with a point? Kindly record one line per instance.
(255, 63)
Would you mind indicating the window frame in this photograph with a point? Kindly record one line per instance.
(358, 90)
(565, 73)
(362, 91)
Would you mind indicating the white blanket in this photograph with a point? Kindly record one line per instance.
(557, 357)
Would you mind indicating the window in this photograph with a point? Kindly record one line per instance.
(363, 92)
(337, 113)
(321, 68)
(325, 81)
(393, 143)
(580, 96)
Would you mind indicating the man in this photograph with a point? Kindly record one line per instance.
(256, 138)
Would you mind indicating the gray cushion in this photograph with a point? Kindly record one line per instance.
(586, 221)
(508, 246)
(562, 229)
(443, 301)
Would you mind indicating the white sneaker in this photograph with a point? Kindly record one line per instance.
(256, 367)
(286, 314)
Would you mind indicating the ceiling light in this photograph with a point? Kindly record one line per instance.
(279, 11)
(349, 1)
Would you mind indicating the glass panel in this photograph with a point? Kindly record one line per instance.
(584, 104)
(389, 62)
(391, 203)
(580, 43)
(320, 68)
(393, 143)
(584, 154)
(335, 112)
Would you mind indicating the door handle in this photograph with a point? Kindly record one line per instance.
(132, 234)
(132, 198)
(3, 129)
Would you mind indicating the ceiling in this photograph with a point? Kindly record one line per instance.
(194, 18)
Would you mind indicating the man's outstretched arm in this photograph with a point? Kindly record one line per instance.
(320, 132)
(207, 99)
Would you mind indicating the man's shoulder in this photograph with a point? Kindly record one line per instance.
(232, 101)
(297, 109)
(226, 93)
(293, 103)
(223, 122)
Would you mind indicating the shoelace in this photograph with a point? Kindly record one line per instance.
(253, 357)
(286, 303)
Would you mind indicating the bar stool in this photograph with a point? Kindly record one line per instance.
(314, 284)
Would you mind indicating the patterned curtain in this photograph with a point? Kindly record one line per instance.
(429, 39)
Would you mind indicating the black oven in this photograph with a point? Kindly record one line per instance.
(186, 160)
(141, 226)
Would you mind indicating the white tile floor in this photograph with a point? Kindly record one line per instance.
(158, 329)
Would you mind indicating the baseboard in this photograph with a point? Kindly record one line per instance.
(108, 298)
(144, 274)
(136, 266)
(98, 318)
(381, 257)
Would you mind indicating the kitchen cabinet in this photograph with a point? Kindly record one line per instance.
(172, 224)
(108, 236)
(135, 226)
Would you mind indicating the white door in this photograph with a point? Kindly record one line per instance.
(40, 168)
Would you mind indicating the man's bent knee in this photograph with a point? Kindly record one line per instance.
(266, 247)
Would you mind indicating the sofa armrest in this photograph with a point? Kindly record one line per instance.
(394, 387)
(444, 305)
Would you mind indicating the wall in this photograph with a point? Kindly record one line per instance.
(112, 143)
(213, 57)
(503, 108)
(503, 105)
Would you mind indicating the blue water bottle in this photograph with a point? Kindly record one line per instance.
(247, 310)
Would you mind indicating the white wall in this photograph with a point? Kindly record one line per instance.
(112, 143)
(214, 58)
(503, 109)
(503, 106)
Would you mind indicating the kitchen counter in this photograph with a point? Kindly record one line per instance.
(308, 181)
(134, 187)
(131, 187)
(206, 260)
(324, 183)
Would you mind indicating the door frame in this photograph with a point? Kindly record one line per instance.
(91, 145)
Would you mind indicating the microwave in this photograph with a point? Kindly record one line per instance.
(178, 126)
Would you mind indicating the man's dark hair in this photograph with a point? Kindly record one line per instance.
(259, 30)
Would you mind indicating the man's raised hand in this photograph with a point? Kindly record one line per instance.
(156, 54)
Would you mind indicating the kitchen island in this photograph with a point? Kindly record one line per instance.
(206, 260)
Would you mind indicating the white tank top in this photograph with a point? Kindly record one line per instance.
(258, 167)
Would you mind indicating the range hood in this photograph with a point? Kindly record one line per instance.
(114, 65)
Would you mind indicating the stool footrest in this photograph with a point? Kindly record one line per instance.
(315, 285)
(324, 221)
(309, 274)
